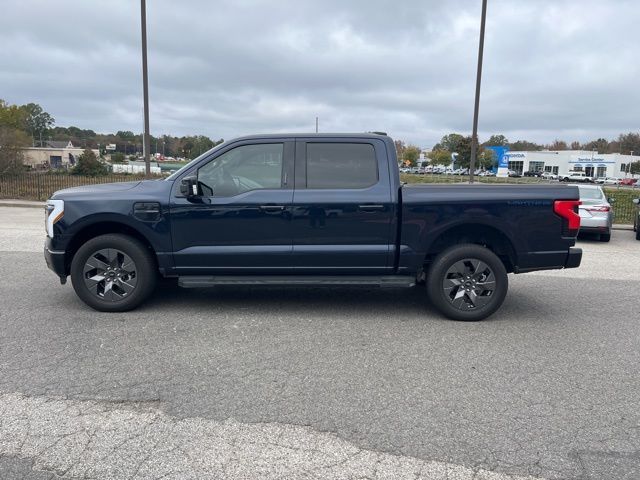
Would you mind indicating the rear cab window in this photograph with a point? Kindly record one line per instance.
(341, 165)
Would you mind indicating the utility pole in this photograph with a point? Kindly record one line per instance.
(316, 124)
(476, 108)
(145, 88)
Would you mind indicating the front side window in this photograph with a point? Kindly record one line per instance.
(245, 168)
(341, 165)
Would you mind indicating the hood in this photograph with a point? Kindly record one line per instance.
(98, 189)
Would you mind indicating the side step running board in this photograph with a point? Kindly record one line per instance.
(194, 281)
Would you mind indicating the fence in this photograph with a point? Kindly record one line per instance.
(623, 207)
(40, 186)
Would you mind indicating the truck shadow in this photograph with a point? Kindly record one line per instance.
(332, 302)
(293, 300)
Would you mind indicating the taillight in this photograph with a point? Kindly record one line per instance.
(568, 209)
(597, 208)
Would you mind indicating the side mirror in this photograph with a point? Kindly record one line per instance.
(189, 186)
(636, 201)
(611, 200)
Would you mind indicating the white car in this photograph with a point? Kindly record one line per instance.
(549, 176)
(608, 181)
(596, 215)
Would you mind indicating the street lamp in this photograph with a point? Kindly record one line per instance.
(145, 87)
(476, 108)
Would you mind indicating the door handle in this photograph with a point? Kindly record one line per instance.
(370, 208)
(271, 208)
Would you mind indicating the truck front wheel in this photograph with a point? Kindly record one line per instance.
(467, 282)
(113, 273)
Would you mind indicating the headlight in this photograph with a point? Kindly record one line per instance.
(54, 211)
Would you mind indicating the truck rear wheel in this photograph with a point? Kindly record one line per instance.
(113, 273)
(467, 282)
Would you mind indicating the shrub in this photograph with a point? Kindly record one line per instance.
(89, 165)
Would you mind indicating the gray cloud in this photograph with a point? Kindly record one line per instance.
(564, 69)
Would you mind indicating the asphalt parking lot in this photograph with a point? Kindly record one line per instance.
(320, 383)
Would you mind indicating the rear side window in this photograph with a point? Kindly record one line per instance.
(341, 165)
(590, 193)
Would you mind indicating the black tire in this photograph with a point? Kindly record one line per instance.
(458, 302)
(605, 237)
(113, 273)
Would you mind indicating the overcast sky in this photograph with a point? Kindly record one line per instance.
(566, 69)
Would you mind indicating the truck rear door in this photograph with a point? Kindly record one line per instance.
(343, 213)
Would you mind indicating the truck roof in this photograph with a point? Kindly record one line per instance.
(313, 135)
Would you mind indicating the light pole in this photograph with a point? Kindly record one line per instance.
(476, 108)
(629, 164)
(145, 88)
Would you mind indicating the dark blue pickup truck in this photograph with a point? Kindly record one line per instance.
(305, 209)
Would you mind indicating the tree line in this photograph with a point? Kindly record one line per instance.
(30, 125)
(460, 144)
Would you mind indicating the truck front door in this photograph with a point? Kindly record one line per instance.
(241, 220)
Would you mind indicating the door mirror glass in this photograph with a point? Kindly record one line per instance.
(636, 201)
(189, 186)
(611, 200)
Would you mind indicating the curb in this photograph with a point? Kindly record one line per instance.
(622, 227)
(21, 203)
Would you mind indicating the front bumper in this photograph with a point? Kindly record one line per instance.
(56, 260)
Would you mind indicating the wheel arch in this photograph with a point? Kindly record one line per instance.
(482, 234)
(101, 227)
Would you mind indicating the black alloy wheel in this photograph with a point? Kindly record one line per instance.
(467, 282)
(113, 273)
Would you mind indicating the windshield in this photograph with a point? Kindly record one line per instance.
(179, 172)
(590, 193)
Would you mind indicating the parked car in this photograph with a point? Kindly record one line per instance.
(534, 173)
(636, 218)
(575, 177)
(514, 174)
(596, 215)
(307, 209)
(607, 181)
(549, 175)
(629, 182)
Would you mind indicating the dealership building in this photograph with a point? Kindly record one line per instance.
(562, 162)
